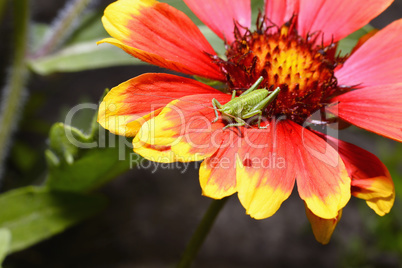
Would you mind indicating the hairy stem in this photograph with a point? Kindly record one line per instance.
(62, 26)
(2, 8)
(201, 233)
(14, 93)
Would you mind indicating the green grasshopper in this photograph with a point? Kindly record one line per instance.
(250, 103)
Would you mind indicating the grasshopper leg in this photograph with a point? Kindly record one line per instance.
(216, 105)
(254, 86)
(259, 122)
(253, 113)
(238, 124)
(233, 94)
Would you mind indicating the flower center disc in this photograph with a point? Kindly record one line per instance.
(303, 70)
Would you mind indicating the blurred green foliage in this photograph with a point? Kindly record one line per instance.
(36, 213)
(5, 242)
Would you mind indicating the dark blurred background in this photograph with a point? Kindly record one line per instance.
(151, 215)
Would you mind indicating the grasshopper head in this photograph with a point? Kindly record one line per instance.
(227, 110)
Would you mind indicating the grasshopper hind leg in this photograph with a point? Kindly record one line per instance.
(217, 106)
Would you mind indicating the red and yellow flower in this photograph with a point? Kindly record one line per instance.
(294, 48)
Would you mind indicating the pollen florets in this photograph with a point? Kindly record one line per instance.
(302, 69)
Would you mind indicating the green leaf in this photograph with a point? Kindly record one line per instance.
(61, 137)
(5, 241)
(93, 168)
(81, 52)
(91, 28)
(82, 56)
(180, 5)
(33, 214)
(214, 40)
(346, 45)
(78, 162)
(256, 7)
(38, 31)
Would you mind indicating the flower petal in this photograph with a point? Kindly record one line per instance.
(371, 180)
(154, 153)
(186, 126)
(322, 228)
(377, 109)
(382, 205)
(126, 107)
(322, 179)
(265, 169)
(336, 19)
(377, 62)
(280, 12)
(160, 34)
(220, 15)
(218, 172)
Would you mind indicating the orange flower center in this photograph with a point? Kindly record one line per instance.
(303, 70)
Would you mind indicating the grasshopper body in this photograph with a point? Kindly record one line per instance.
(251, 103)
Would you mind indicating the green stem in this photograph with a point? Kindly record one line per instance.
(201, 233)
(14, 92)
(62, 26)
(2, 8)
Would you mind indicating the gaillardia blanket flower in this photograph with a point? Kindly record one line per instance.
(293, 47)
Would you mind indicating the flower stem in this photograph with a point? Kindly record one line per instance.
(14, 93)
(62, 26)
(201, 232)
(2, 8)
